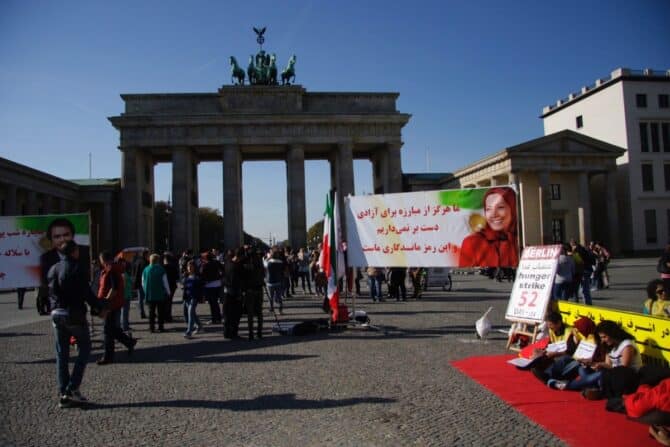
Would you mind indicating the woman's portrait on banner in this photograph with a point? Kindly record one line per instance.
(493, 241)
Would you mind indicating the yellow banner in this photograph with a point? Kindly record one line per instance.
(652, 334)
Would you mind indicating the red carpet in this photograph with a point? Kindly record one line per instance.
(577, 421)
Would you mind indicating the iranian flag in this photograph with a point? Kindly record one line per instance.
(331, 259)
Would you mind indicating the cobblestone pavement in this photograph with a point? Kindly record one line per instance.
(354, 387)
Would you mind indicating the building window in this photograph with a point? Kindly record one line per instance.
(557, 230)
(641, 100)
(555, 191)
(647, 177)
(655, 143)
(580, 122)
(666, 137)
(666, 173)
(650, 226)
(644, 138)
(662, 101)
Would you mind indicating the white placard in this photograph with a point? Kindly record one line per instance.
(532, 286)
(584, 351)
(559, 346)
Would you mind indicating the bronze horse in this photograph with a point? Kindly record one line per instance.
(236, 72)
(288, 73)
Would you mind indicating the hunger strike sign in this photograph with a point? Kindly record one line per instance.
(532, 287)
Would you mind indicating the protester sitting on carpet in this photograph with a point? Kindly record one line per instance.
(619, 369)
(581, 374)
(657, 303)
(551, 364)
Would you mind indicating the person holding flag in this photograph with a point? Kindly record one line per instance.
(331, 259)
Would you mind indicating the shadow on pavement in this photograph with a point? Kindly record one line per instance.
(269, 402)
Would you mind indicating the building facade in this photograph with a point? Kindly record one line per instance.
(27, 191)
(628, 109)
(559, 178)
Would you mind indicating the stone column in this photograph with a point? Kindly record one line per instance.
(612, 212)
(545, 207)
(184, 225)
(10, 200)
(494, 181)
(31, 200)
(513, 179)
(131, 199)
(346, 177)
(584, 208)
(232, 196)
(295, 192)
(394, 166)
(380, 171)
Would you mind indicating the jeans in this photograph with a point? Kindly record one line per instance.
(140, 304)
(276, 296)
(62, 332)
(375, 288)
(588, 378)
(190, 316)
(125, 316)
(112, 332)
(561, 290)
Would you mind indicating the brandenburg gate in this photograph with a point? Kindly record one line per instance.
(241, 123)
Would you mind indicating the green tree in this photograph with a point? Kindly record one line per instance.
(211, 228)
(314, 234)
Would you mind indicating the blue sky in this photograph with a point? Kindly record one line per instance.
(473, 75)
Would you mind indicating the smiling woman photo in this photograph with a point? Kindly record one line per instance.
(494, 244)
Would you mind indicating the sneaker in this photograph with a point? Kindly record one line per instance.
(197, 329)
(66, 402)
(188, 336)
(557, 384)
(76, 396)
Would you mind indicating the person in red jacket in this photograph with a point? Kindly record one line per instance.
(494, 245)
(111, 289)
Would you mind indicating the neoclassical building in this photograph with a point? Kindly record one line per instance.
(566, 185)
(242, 124)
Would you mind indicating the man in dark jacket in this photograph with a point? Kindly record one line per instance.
(68, 292)
(253, 282)
(232, 293)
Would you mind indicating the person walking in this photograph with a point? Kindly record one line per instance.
(275, 268)
(211, 272)
(156, 291)
(193, 287)
(111, 290)
(253, 282)
(232, 294)
(69, 292)
(139, 264)
(565, 271)
(397, 283)
(172, 270)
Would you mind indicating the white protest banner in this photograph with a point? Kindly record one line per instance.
(23, 240)
(450, 228)
(531, 291)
